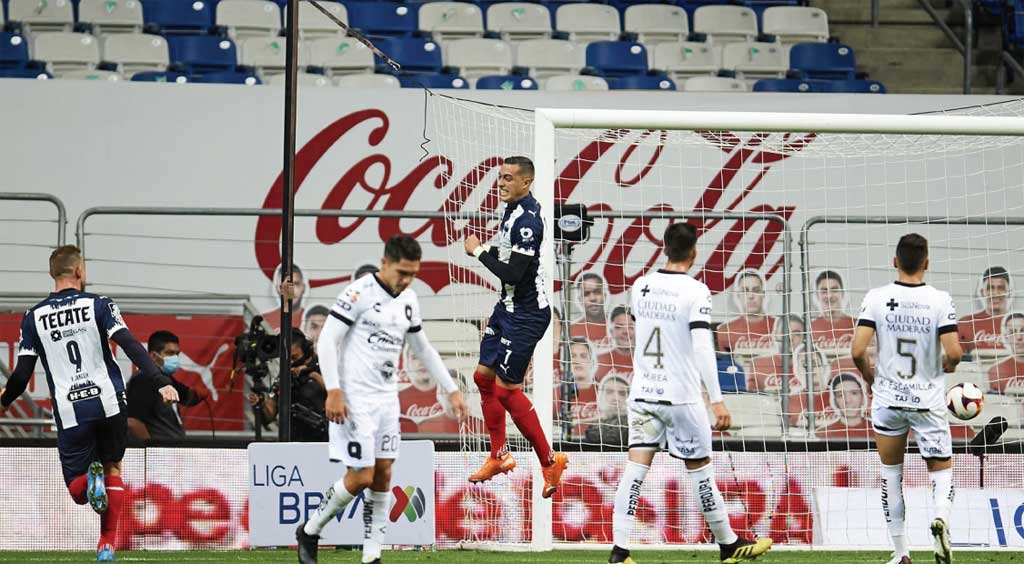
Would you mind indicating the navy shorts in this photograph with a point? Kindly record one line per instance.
(101, 439)
(509, 340)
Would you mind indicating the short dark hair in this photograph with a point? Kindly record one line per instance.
(63, 261)
(317, 310)
(619, 310)
(911, 252)
(364, 270)
(996, 272)
(160, 339)
(591, 275)
(845, 377)
(401, 247)
(1010, 317)
(581, 341)
(525, 165)
(828, 275)
(679, 241)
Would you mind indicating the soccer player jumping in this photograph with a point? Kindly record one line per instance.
(518, 322)
(911, 320)
(69, 331)
(674, 354)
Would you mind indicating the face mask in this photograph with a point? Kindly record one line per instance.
(171, 365)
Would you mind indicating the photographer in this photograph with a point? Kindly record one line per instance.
(308, 394)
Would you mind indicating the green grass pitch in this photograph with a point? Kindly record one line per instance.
(472, 557)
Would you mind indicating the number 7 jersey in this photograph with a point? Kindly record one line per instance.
(908, 320)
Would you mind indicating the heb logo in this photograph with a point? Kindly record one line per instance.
(409, 501)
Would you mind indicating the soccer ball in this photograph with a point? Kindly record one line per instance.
(964, 400)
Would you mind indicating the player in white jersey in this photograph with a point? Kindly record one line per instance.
(359, 349)
(674, 354)
(910, 320)
(69, 332)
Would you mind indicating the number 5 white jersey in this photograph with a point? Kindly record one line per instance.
(666, 306)
(908, 320)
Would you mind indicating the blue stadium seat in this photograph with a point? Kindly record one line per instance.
(434, 80)
(783, 85)
(179, 16)
(230, 77)
(383, 18)
(827, 61)
(505, 82)
(161, 76)
(850, 86)
(24, 73)
(641, 82)
(13, 50)
(415, 54)
(617, 58)
(203, 53)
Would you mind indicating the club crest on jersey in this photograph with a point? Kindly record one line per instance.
(408, 312)
(353, 295)
(387, 370)
(526, 234)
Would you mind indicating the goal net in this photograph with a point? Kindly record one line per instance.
(798, 218)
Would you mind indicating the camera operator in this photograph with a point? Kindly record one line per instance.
(308, 394)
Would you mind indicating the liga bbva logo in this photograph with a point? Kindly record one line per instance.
(409, 501)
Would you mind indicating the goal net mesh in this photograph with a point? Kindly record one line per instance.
(797, 464)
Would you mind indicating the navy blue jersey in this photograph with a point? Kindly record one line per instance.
(69, 332)
(522, 231)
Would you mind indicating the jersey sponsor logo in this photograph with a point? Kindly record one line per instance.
(56, 335)
(64, 317)
(383, 338)
(526, 234)
(84, 391)
(905, 323)
(655, 309)
(705, 310)
(115, 312)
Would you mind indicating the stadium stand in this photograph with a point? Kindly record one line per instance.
(726, 24)
(753, 61)
(340, 56)
(451, 20)
(479, 57)
(249, 18)
(641, 82)
(416, 53)
(586, 23)
(828, 61)
(314, 24)
(302, 78)
(783, 85)
(687, 58)
(383, 18)
(575, 82)
(505, 82)
(177, 17)
(713, 84)
(161, 76)
(13, 51)
(796, 24)
(24, 73)
(267, 54)
(428, 80)
(549, 57)
(111, 16)
(230, 77)
(617, 58)
(35, 16)
(136, 52)
(368, 81)
(66, 51)
(657, 23)
(200, 54)
(94, 74)
(516, 21)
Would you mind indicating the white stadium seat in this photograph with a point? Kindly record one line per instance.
(368, 81)
(516, 21)
(687, 58)
(267, 54)
(303, 79)
(314, 24)
(548, 57)
(85, 74)
(136, 52)
(657, 23)
(588, 22)
(479, 57)
(65, 51)
(753, 61)
(577, 82)
(451, 20)
(111, 16)
(713, 84)
(341, 56)
(41, 16)
(726, 24)
(796, 24)
(249, 18)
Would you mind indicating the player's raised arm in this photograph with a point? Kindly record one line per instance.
(526, 235)
(704, 358)
(862, 339)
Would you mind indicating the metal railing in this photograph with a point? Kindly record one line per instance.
(62, 215)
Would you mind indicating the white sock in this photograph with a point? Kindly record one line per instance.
(375, 523)
(892, 506)
(705, 491)
(942, 493)
(627, 498)
(336, 498)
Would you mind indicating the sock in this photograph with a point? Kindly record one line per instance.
(77, 489)
(375, 523)
(627, 497)
(942, 493)
(892, 506)
(712, 504)
(525, 418)
(110, 518)
(336, 498)
(494, 414)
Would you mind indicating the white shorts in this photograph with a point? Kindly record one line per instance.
(685, 428)
(931, 430)
(371, 431)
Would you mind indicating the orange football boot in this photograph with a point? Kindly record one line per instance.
(492, 467)
(553, 474)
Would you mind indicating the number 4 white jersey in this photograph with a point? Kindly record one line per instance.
(666, 306)
(908, 320)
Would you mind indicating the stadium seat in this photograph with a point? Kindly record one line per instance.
(41, 15)
(641, 82)
(588, 22)
(796, 24)
(657, 23)
(427, 80)
(451, 20)
(382, 18)
(158, 76)
(341, 55)
(64, 51)
(13, 51)
(575, 82)
(726, 24)
(617, 58)
(416, 54)
(479, 57)
(136, 52)
(368, 81)
(505, 82)
(111, 16)
(203, 53)
(713, 84)
(179, 16)
(827, 61)
(314, 24)
(516, 21)
(548, 57)
(268, 54)
(24, 73)
(303, 79)
(687, 58)
(84, 74)
(851, 87)
(230, 77)
(783, 85)
(753, 61)
(249, 18)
